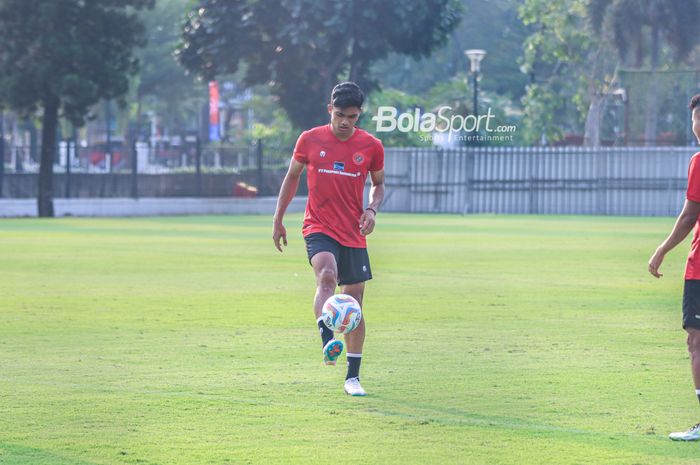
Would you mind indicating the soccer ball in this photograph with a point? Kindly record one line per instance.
(341, 313)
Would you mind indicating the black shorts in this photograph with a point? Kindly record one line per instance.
(691, 304)
(353, 263)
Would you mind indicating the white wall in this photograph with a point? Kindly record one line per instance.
(151, 206)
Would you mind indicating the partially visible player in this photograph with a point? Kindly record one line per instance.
(688, 218)
(338, 157)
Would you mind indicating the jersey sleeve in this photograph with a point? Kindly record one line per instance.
(301, 149)
(693, 192)
(378, 158)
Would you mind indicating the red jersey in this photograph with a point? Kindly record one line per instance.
(336, 171)
(692, 267)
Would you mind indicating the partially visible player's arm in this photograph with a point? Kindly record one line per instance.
(684, 224)
(376, 195)
(287, 193)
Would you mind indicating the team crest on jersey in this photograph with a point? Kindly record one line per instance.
(358, 158)
(322, 153)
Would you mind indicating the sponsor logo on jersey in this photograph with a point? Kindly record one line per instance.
(338, 166)
(343, 173)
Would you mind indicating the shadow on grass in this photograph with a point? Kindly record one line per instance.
(11, 454)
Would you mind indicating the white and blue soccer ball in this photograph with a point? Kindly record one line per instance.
(341, 313)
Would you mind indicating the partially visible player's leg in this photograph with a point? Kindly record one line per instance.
(694, 350)
(691, 323)
(353, 271)
(693, 434)
(355, 341)
(326, 270)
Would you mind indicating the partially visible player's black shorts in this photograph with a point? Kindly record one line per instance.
(691, 304)
(353, 263)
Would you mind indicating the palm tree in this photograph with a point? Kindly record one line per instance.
(639, 25)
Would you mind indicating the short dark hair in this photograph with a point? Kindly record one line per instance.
(347, 94)
(694, 102)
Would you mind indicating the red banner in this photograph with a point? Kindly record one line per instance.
(214, 111)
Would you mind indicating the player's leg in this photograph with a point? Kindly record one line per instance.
(326, 271)
(693, 434)
(354, 341)
(694, 350)
(353, 271)
(691, 323)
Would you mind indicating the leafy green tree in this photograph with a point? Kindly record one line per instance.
(271, 125)
(301, 48)
(638, 27)
(633, 21)
(492, 25)
(63, 56)
(454, 93)
(162, 85)
(570, 74)
(403, 102)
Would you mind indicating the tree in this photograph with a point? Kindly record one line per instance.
(570, 74)
(555, 49)
(301, 48)
(162, 85)
(492, 25)
(631, 20)
(64, 56)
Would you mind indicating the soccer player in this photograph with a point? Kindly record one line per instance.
(338, 157)
(687, 219)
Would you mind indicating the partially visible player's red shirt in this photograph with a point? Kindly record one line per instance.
(692, 267)
(336, 172)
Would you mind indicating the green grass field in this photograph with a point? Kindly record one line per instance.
(491, 340)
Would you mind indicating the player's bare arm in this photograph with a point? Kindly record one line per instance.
(287, 193)
(684, 224)
(376, 196)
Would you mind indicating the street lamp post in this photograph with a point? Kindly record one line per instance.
(2, 149)
(621, 94)
(475, 56)
(108, 146)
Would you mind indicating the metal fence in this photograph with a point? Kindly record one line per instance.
(146, 158)
(647, 181)
(187, 169)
